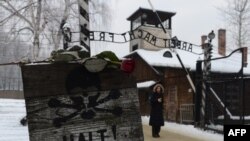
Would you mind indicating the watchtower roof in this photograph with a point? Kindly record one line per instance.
(164, 15)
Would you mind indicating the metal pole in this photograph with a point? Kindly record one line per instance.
(205, 85)
(242, 118)
(198, 92)
(174, 50)
(225, 102)
(84, 23)
(203, 102)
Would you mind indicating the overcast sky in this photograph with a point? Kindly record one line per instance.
(193, 17)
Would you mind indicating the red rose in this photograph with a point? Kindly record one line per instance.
(128, 65)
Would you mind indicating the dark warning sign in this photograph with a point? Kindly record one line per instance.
(65, 102)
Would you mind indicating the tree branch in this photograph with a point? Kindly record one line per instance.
(25, 28)
(32, 13)
(38, 16)
(16, 12)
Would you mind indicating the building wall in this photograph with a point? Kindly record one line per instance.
(177, 92)
(144, 101)
(143, 72)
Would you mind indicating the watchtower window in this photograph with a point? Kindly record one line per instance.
(136, 23)
(135, 47)
(146, 17)
(166, 24)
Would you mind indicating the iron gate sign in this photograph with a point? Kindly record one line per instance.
(65, 102)
(140, 34)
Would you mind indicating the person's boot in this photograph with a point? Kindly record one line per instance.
(154, 135)
(153, 132)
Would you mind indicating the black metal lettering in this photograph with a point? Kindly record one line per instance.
(147, 37)
(166, 42)
(178, 44)
(91, 35)
(111, 35)
(153, 40)
(124, 35)
(190, 48)
(102, 36)
(132, 35)
(140, 33)
(184, 46)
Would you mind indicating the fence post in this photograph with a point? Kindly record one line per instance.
(206, 73)
(84, 23)
(198, 92)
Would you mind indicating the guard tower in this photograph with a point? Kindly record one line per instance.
(146, 20)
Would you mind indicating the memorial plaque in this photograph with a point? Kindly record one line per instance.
(65, 102)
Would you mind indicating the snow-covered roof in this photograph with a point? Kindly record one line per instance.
(145, 84)
(189, 59)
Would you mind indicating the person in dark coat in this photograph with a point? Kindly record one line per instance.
(156, 114)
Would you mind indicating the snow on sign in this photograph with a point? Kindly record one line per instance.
(65, 102)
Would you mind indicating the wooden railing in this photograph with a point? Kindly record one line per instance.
(187, 113)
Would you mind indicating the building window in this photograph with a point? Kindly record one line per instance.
(166, 24)
(136, 23)
(135, 47)
(167, 54)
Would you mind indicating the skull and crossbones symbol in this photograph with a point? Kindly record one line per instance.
(84, 105)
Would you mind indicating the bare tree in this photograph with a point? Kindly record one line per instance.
(57, 15)
(100, 13)
(29, 16)
(237, 13)
(43, 18)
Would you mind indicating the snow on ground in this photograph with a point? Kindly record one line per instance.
(11, 111)
(188, 130)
